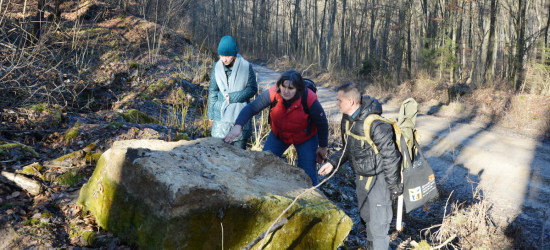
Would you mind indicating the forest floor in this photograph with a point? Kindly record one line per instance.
(101, 75)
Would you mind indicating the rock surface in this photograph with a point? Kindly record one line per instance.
(179, 195)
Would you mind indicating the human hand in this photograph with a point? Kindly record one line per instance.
(325, 169)
(236, 131)
(395, 190)
(227, 97)
(322, 151)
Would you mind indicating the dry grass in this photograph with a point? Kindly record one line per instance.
(473, 226)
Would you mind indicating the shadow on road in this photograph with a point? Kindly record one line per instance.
(451, 151)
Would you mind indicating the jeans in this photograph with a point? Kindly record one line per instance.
(306, 153)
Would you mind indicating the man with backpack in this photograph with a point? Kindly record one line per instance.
(296, 118)
(376, 165)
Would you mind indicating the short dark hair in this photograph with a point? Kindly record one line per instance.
(295, 78)
(351, 90)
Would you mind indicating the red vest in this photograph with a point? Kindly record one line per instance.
(290, 125)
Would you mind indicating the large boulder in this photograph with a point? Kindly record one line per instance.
(179, 195)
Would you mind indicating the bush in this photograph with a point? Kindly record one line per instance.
(369, 65)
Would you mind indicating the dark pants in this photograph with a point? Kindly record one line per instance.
(375, 209)
(306, 153)
(240, 144)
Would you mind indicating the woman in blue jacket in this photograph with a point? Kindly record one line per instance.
(232, 85)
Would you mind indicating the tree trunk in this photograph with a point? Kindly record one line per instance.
(385, 37)
(277, 31)
(374, 12)
(57, 11)
(400, 41)
(37, 25)
(329, 38)
(342, 36)
(489, 74)
(409, 52)
(517, 72)
(546, 34)
(319, 54)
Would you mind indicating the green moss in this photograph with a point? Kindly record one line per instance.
(423, 246)
(23, 148)
(69, 178)
(89, 237)
(7, 206)
(145, 96)
(71, 135)
(74, 231)
(182, 136)
(138, 117)
(38, 107)
(71, 156)
(93, 157)
(30, 170)
(31, 222)
(134, 65)
(115, 125)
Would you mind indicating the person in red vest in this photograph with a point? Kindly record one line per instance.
(291, 123)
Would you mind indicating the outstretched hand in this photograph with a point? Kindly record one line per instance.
(325, 169)
(234, 133)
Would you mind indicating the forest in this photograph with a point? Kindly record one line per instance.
(485, 43)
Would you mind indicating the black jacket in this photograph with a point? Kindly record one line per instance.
(363, 160)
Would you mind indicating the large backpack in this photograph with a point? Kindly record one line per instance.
(417, 175)
(309, 85)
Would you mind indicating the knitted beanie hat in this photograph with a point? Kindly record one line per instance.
(227, 46)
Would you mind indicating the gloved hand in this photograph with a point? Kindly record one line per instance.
(395, 190)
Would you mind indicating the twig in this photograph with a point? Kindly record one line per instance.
(24, 116)
(302, 73)
(444, 243)
(57, 166)
(255, 241)
(309, 189)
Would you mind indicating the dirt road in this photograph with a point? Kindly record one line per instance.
(512, 172)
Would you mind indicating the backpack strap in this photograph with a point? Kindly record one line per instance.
(271, 105)
(304, 101)
(367, 127)
(306, 110)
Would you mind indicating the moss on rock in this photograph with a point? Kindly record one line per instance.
(135, 116)
(30, 169)
(93, 157)
(314, 223)
(71, 135)
(23, 148)
(69, 178)
(89, 237)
